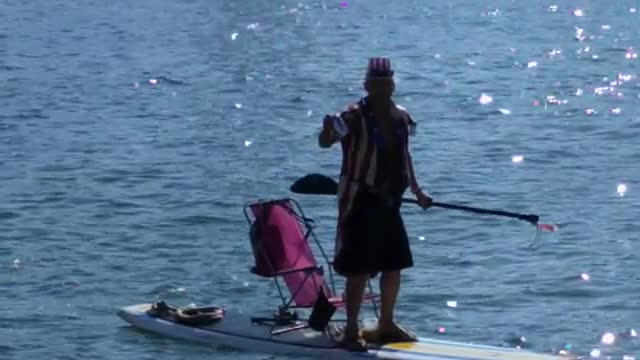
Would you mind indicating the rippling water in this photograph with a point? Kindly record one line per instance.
(133, 132)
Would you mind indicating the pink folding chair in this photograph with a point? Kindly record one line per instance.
(280, 235)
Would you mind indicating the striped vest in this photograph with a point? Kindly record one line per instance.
(364, 156)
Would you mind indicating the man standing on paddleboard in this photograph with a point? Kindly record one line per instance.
(376, 171)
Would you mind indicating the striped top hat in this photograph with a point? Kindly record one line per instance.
(379, 68)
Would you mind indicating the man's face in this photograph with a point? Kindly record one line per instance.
(380, 88)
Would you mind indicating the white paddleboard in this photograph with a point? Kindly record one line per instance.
(237, 331)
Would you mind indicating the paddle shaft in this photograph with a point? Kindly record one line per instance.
(530, 218)
(323, 185)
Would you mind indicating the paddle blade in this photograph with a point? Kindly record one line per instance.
(315, 184)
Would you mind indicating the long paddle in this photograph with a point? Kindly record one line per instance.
(319, 184)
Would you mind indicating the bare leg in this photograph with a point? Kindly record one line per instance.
(354, 292)
(389, 287)
(387, 328)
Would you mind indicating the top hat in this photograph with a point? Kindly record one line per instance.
(379, 68)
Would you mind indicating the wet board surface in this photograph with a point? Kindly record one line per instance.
(437, 349)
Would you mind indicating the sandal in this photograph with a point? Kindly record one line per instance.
(160, 309)
(355, 345)
(352, 344)
(398, 334)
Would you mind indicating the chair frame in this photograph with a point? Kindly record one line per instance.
(307, 225)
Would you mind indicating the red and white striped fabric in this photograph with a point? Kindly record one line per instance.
(379, 67)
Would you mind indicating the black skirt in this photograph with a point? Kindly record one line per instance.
(373, 238)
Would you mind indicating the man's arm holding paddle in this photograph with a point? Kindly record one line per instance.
(424, 200)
